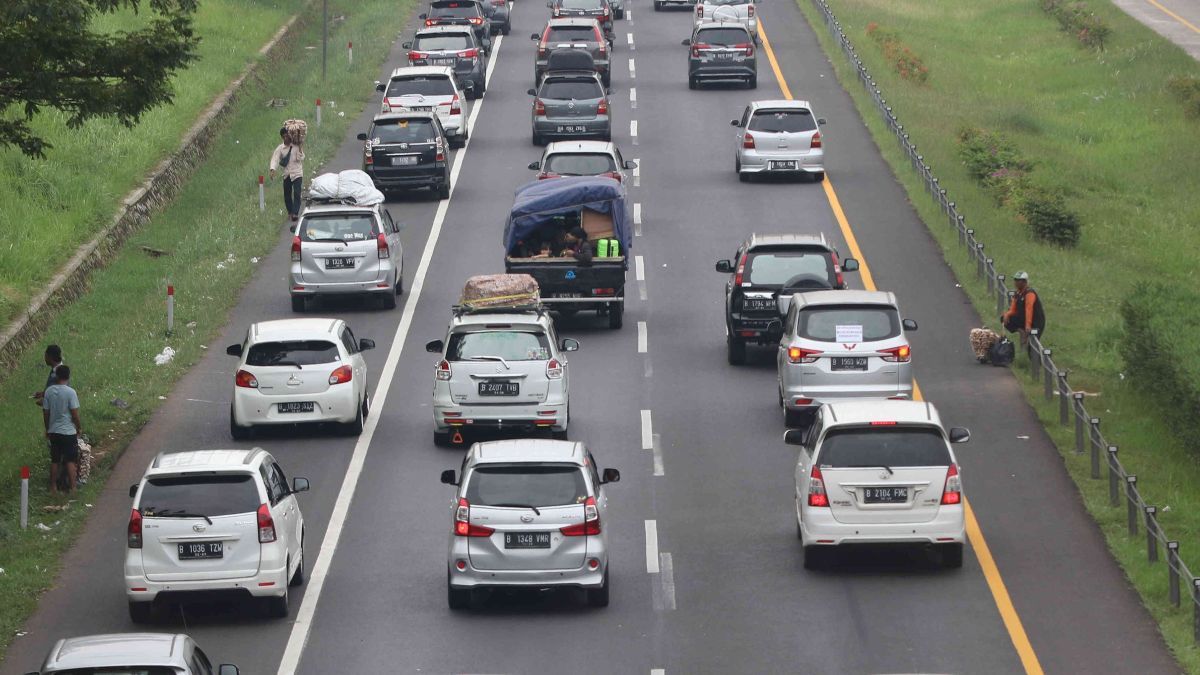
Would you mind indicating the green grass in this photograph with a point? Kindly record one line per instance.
(1103, 126)
(53, 205)
(110, 336)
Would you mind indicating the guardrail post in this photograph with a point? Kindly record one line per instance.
(1063, 396)
(1173, 572)
(1151, 532)
(1196, 609)
(979, 259)
(1112, 475)
(1031, 353)
(1047, 375)
(1130, 496)
(1001, 296)
(1078, 398)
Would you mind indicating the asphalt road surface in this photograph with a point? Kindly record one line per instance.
(706, 569)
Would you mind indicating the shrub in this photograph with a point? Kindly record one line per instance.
(1006, 184)
(1046, 213)
(1186, 88)
(1076, 18)
(904, 60)
(986, 152)
(1162, 354)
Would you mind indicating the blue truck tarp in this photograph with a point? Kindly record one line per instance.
(538, 203)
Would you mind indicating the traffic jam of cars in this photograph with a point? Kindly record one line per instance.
(531, 510)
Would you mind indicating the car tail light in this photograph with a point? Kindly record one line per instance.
(499, 3)
(816, 140)
(952, 493)
(296, 248)
(883, 423)
(741, 270)
(544, 176)
(801, 355)
(750, 10)
(381, 246)
(557, 12)
(699, 11)
(698, 46)
(342, 375)
(368, 159)
(473, 53)
(134, 531)
(746, 47)
(590, 524)
(462, 522)
(387, 107)
(602, 109)
(748, 141)
(837, 267)
(554, 369)
(455, 106)
(440, 155)
(901, 354)
(539, 108)
(416, 56)
(246, 379)
(443, 370)
(476, 21)
(816, 488)
(604, 291)
(541, 52)
(430, 22)
(266, 525)
(603, 44)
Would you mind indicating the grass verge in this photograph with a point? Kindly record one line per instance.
(213, 232)
(53, 205)
(1106, 127)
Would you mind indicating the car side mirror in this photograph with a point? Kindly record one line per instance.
(534, 166)
(133, 490)
(435, 346)
(794, 436)
(449, 478)
(725, 267)
(234, 350)
(775, 326)
(228, 669)
(783, 302)
(959, 434)
(610, 476)
(535, 36)
(365, 343)
(300, 484)
(361, 137)
(735, 123)
(422, 16)
(849, 265)
(569, 345)
(630, 164)
(406, 45)
(909, 324)
(687, 42)
(380, 87)
(532, 92)
(821, 120)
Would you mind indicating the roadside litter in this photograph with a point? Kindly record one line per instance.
(164, 357)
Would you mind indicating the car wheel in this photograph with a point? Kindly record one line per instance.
(441, 438)
(795, 419)
(693, 83)
(616, 315)
(299, 303)
(457, 598)
(816, 557)
(399, 285)
(141, 612)
(657, 6)
(952, 555)
(735, 351)
(607, 80)
(355, 428)
(443, 190)
(752, 82)
(238, 432)
(389, 300)
(818, 176)
(537, 139)
(598, 597)
(298, 576)
(559, 435)
(457, 143)
(278, 607)
(620, 13)
(799, 532)
(506, 29)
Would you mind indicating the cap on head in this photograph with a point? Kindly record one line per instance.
(1021, 276)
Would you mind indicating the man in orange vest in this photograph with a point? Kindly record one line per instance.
(1025, 313)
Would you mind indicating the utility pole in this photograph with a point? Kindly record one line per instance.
(324, 36)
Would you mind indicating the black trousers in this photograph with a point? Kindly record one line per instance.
(291, 195)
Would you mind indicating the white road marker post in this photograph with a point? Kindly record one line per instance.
(170, 309)
(350, 52)
(262, 195)
(24, 497)
(318, 112)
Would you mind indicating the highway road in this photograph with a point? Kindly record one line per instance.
(706, 571)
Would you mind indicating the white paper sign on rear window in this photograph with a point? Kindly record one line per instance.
(851, 333)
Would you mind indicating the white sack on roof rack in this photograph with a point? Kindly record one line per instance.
(351, 185)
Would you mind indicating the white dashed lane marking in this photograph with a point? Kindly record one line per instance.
(637, 172)
(637, 219)
(639, 268)
(643, 347)
(647, 431)
(652, 547)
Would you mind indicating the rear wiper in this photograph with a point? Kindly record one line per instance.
(490, 358)
(332, 239)
(872, 466)
(288, 363)
(182, 514)
(519, 506)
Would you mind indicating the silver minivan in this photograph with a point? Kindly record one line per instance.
(839, 345)
(528, 513)
(341, 249)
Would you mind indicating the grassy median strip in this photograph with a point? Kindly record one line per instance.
(1103, 126)
(213, 233)
(53, 205)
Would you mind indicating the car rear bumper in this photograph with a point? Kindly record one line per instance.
(415, 179)
(727, 71)
(267, 583)
(835, 393)
(515, 416)
(819, 528)
(549, 127)
(299, 287)
(581, 577)
(808, 161)
(339, 404)
(754, 328)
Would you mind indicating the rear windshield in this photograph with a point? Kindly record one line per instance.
(455, 9)
(526, 486)
(580, 165)
(404, 131)
(121, 670)
(728, 2)
(783, 121)
(883, 446)
(425, 85)
(821, 323)
(723, 36)
(442, 43)
(347, 227)
(298, 352)
(582, 4)
(794, 269)
(572, 34)
(206, 495)
(571, 89)
(510, 345)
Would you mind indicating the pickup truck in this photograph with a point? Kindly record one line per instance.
(569, 284)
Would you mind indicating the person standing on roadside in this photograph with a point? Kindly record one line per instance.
(1026, 312)
(60, 414)
(289, 158)
(54, 359)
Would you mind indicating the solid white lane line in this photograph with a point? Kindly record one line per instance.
(637, 219)
(639, 268)
(292, 653)
(642, 346)
(637, 172)
(647, 431)
(667, 579)
(658, 457)
(652, 547)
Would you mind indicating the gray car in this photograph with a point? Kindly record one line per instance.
(840, 345)
(776, 137)
(600, 10)
(131, 653)
(721, 51)
(453, 46)
(572, 33)
(341, 249)
(570, 105)
(529, 513)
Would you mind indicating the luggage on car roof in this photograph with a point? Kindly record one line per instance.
(499, 290)
(565, 58)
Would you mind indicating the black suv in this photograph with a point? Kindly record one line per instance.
(406, 151)
(768, 270)
(463, 13)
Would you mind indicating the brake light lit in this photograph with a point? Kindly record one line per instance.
(837, 267)
(342, 375)
(430, 22)
(443, 370)
(266, 525)
(590, 524)
(816, 488)
(416, 56)
(134, 531)
(476, 21)
(462, 522)
(296, 248)
(801, 355)
(602, 109)
(883, 423)
(381, 246)
(246, 379)
(471, 53)
(554, 369)
(952, 493)
(539, 108)
(748, 141)
(455, 106)
(901, 354)
(816, 140)
(741, 270)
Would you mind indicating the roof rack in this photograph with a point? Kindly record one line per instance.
(460, 310)
(309, 200)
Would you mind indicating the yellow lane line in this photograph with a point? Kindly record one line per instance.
(1173, 15)
(991, 573)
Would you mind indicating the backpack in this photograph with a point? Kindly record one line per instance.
(1002, 353)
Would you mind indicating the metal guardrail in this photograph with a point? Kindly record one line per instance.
(1088, 437)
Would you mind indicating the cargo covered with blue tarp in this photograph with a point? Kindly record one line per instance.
(546, 203)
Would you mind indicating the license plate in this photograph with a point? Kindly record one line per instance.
(571, 129)
(885, 495)
(723, 56)
(339, 263)
(404, 160)
(444, 61)
(848, 363)
(783, 165)
(499, 388)
(195, 550)
(759, 304)
(417, 108)
(526, 540)
(567, 295)
(295, 407)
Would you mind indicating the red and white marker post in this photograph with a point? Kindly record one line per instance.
(170, 309)
(262, 195)
(350, 52)
(24, 497)
(318, 112)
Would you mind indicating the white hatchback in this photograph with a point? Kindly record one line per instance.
(214, 522)
(428, 89)
(293, 371)
(878, 472)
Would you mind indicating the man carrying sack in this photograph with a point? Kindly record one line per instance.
(289, 157)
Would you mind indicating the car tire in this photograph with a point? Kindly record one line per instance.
(278, 607)
(389, 300)
(598, 597)
(238, 432)
(620, 13)
(457, 598)
(743, 177)
(538, 140)
(399, 285)
(658, 6)
(693, 83)
(795, 419)
(441, 438)
(506, 29)
(299, 304)
(816, 557)
(141, 612)
(616, 315)
(355, 428)
(752, 82)
(443, 191)
(952, 555)
(299, 576)
(559, 435)
(818, 176)
(735, 351)
(606, 80)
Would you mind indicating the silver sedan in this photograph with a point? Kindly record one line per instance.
(779, 137)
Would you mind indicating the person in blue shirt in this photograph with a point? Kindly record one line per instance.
(60, 413)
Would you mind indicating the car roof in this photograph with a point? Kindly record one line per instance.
(334, 206)
(293, 329)
(571, 21)
(206, 460)
(580, 146)
(444, 28)
(396, 116)
(780, 103)
(118, 649)
(527, 450)
(758, 240)
(721, 24)
(881, 410)
(409, 71)
(847, 297)
(475, 319)
(443, 3)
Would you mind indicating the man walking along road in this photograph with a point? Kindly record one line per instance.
(60, 414)
(1026, 311)
(289, 157)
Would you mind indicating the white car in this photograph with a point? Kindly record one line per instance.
(140, 653)
(878, 472)
(428, 89)
(214, 522)
(741, 11)
(582, 158)
(294, 371)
